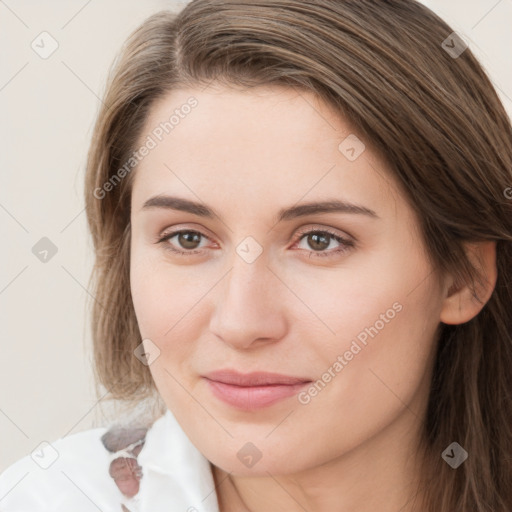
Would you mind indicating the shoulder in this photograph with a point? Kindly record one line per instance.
(127, 467)
(81, 472)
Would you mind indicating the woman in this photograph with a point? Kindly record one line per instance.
(302, 222)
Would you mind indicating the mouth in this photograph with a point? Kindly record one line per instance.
(253, 390)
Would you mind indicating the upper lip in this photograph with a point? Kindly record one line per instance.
(253, 379)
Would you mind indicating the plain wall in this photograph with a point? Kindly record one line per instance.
(48, 107)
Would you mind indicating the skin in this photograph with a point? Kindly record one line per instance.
(247, 154)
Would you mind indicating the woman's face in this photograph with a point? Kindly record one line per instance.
(340, 306)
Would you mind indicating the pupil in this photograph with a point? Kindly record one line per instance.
(187, 239)
(321, 239)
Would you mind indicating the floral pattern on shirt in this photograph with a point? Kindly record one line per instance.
(124, 445)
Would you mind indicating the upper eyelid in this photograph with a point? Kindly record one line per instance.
(299, 234)
(333, 231)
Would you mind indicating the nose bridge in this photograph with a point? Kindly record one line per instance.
(246, 307)
(247, 287)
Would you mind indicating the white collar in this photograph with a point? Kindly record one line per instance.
(176, 475)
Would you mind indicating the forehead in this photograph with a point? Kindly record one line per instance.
(256, 147)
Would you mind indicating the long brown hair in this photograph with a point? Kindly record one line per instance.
(434, 118)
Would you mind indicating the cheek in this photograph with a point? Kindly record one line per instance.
(161, 293)
(372, 296)
(383, 321)
(383, 371)
(164, 300)
(386, 344)
(168, 304)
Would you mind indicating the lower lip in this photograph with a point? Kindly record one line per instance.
(249, 398)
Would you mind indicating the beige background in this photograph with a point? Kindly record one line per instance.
(47, 109)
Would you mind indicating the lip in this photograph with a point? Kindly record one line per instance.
(253, 390)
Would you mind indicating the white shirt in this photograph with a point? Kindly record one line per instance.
(176, 477)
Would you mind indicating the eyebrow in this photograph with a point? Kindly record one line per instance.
(285, 214)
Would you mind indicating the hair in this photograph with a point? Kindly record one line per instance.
(434, 119)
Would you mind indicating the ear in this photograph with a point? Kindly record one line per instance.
(461, 303)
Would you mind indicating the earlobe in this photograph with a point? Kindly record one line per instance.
(462, 303)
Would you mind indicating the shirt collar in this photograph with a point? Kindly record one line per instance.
(175, 472)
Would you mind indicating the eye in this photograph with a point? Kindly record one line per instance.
(320, 239)
(188, 239)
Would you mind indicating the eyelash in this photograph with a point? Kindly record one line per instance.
(346, 244)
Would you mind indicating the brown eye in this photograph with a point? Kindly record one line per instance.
(317, 242)
(189, 239)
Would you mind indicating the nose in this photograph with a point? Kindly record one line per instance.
(250, 306)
